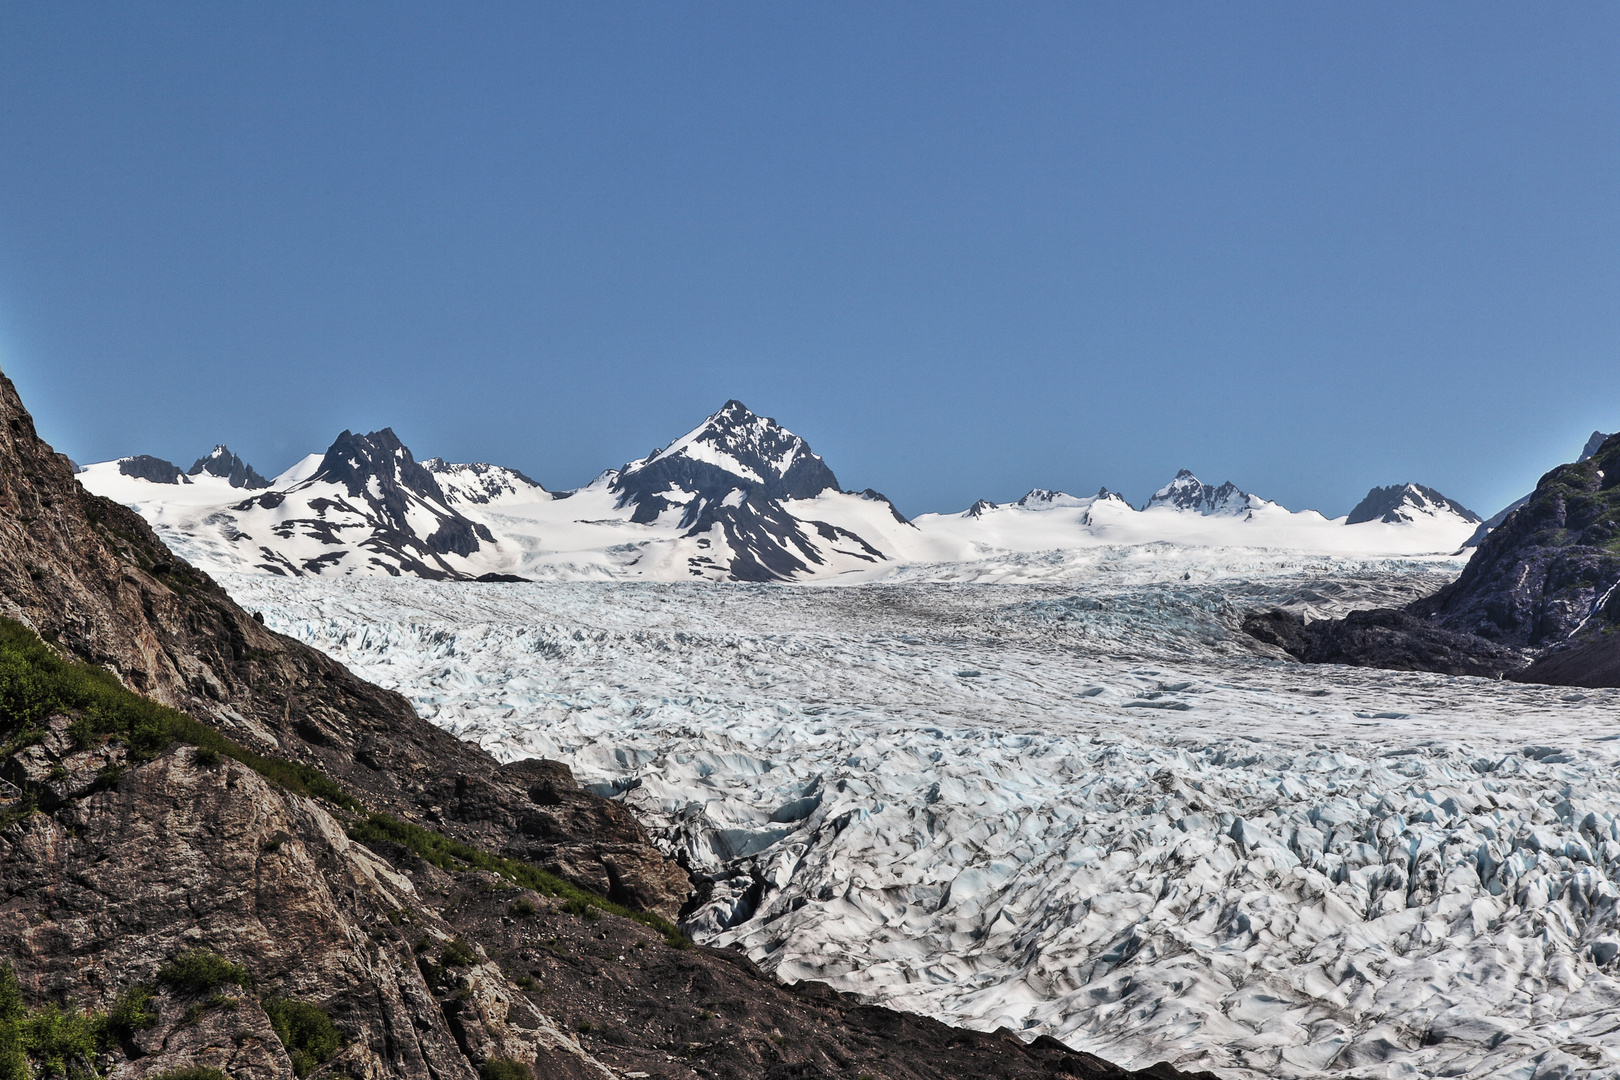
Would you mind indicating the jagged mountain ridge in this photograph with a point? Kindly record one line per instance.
(227, 466)
(1187, 492)
(372, 486)
(737, 498)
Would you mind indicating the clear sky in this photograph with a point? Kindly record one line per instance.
(963, 249)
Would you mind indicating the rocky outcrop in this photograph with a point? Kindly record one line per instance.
(1383, 638)
(1544, 587)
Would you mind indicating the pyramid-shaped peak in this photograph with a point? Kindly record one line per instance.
(353, 459)
(734, 447)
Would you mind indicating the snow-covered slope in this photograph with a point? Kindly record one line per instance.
(737, 498)
(1091, 808)
(364, 506)
(479, 484)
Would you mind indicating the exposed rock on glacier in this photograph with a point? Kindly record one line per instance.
(227, 466)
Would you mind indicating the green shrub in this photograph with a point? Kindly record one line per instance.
(452, 855)
(199, 970)
(195, 1072)
(504, 1069)
(305, 1030)
(457, 953)
(130, 1013)
(58, 1040)
(11, 1003)
(524, 907)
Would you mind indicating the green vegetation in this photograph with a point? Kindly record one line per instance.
(305, 1030)
(199, 970)
(457, 953)
(57, 1041)
(196, 1072)
(452, 855)
(504, 1069)
(524, 907)
(576, 906)
(35, 682)
(130, 1013)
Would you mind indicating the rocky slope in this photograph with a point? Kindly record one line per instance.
(427, 935)
(1544, 586)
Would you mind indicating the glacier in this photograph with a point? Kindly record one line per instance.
(1061, 793)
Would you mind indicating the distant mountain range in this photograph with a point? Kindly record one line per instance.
(737, 498)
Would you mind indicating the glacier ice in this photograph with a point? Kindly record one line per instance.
(1082, 805)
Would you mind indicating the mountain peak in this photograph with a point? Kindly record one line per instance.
(1048, 499)
(222, 463)
(1593, 445)
(1400, 503)
(1187, 492)
(733, 449)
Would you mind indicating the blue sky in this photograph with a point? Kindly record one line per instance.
(963, 249)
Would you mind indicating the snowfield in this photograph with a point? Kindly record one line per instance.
(1061, 793)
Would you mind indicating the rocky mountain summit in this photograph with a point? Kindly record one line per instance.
(730, 480)
(1542, 587)
(227, 466)
(368, 487)
(1187, 492)
(1406, 502)
(223, 854)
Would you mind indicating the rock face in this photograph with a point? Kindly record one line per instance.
(1547, 575)
(109, 867)
(147, 467)
(1383, 638)
(227, 466)
(1592, 444)
(1544, 585)
(1406, 502)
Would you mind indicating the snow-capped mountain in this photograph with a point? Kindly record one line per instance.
(371, 499)
(227, 466)
(1407, 502)
(733, 450)
(1045, 499)
(737, 498)
(1187, 492)
(478, 484)
(731, 481)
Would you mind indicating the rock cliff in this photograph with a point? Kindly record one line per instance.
(1539, 601)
